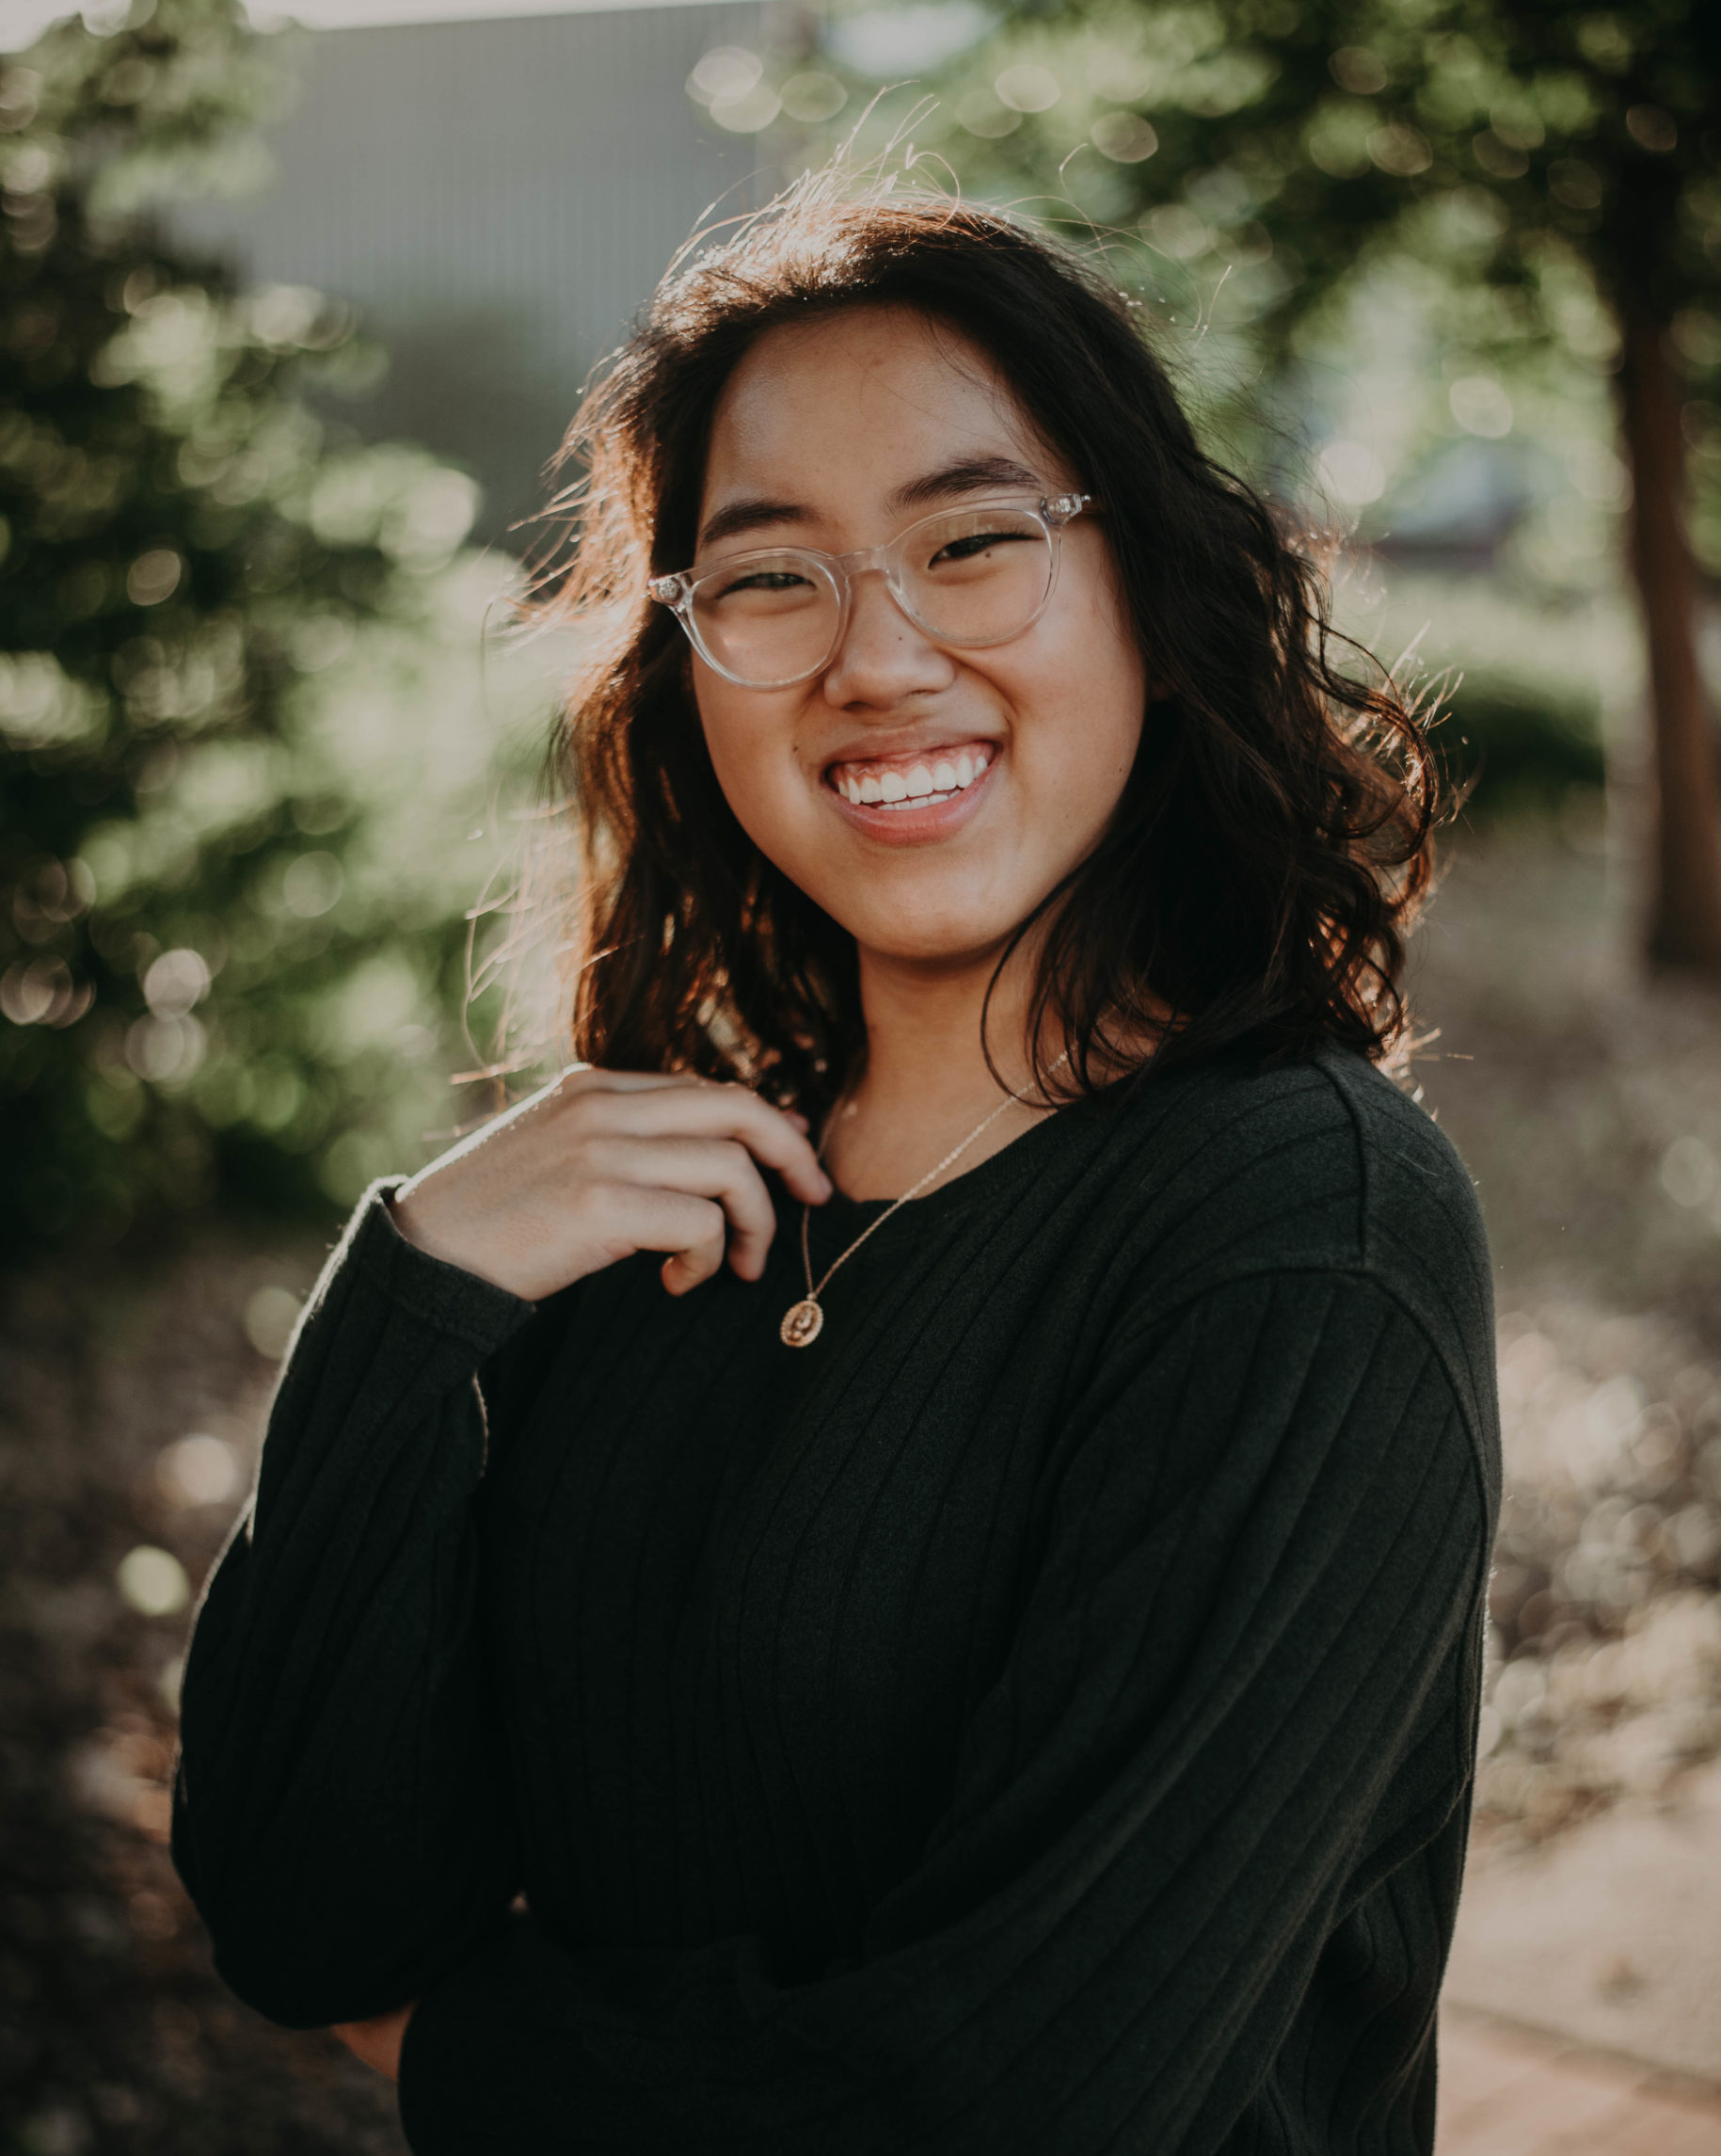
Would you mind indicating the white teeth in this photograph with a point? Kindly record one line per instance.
(893, 789)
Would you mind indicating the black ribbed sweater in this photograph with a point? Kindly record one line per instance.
(1037, 1719)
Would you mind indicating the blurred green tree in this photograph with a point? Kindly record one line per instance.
(1552, 157)
(203, 989)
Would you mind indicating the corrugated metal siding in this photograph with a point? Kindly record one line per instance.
(498, 199)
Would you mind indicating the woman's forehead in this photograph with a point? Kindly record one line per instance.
(855, 403)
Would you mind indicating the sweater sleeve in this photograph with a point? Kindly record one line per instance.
(1240, 1694)
(331, 1699)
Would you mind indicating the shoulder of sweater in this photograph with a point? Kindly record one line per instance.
(1228, 1169)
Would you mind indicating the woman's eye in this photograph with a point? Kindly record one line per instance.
(965, 549)
(764, 579)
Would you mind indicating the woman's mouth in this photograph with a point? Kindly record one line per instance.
(906, 783)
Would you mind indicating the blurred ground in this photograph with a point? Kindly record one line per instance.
(1589, 1110)
(1583, 2006)
(114, 2034)
(1587, 1105)
(1505, 2092)
(1610, 1935)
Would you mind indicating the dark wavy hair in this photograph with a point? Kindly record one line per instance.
(1254, 885)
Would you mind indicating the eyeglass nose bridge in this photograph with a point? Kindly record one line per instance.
(886, 558)
(863, 558)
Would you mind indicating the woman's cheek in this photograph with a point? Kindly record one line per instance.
(760, 781)
(734, 741)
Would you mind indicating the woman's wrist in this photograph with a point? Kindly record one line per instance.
(419, 1226)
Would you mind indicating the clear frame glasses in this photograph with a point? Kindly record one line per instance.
(969, 577)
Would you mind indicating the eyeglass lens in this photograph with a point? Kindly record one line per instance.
(973, 577)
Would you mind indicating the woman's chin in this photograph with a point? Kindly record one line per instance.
(952, 946)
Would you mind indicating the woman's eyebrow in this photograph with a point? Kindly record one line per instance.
(748, 516)
(966, 475)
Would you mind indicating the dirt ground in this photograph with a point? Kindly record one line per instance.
(1589, 1107)
(1586, 1102)
(115, 2035)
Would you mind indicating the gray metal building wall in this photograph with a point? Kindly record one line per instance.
(498, 198)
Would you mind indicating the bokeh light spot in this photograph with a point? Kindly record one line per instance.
(270, 1315)
(154, 577)
(1690, 1173)
(1026, 88)
(1176, 231)
(1481, 406)
(1351, 472)
(153, 1581)
(1125, 137)
(312, 885)
(726, 73)
(812, 97)
(1358, 70)
(979, 113)
(166, 1051)
(197, 1469)
(176, 983)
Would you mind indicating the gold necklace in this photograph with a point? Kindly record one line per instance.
(803, 1321)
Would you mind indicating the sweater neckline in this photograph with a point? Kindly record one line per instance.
(1011, 1165)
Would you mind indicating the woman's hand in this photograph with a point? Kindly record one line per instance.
(377, 2041)
(600, 1165)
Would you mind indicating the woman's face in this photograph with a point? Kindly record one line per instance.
(838, 434)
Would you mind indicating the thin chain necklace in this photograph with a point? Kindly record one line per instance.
(803, 1321)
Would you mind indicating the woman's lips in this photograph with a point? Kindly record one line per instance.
(917, 798)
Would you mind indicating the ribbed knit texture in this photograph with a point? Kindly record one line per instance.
(1038, 1719)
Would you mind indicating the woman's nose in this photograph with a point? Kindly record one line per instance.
(884, 658)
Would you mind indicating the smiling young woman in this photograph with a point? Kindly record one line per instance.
(989, 1661)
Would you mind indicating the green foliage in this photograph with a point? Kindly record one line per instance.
(1252, 163)
(1283, 140)
(1514, 747)
(213, 976)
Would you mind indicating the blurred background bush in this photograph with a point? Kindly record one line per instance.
(290, 322)
(242, 735)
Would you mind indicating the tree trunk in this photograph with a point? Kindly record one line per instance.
(1685, 915)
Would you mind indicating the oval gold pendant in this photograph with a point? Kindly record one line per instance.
(801, 1324)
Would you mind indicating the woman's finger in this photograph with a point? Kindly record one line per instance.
(721, 1169)
(629, 1217)
(727, 1112)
